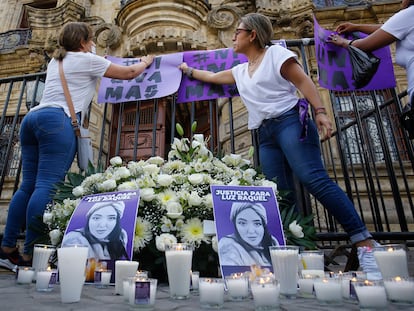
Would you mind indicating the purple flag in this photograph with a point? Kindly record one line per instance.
(334, 65)
(161, 79)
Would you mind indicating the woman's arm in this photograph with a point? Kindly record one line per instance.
(350, 27)
(294, 73)
(115, 71)
(221, 77)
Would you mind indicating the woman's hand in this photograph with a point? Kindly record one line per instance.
(324, 125)
(338, 40)
(345, 27)
(147, 60)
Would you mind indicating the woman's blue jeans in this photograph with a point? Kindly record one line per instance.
(281, 153)
(48, 146)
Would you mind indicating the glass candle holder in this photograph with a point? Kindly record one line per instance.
(328, 290)
(41, 256)
(305, 283)
(102, 278)
(237, 285)
(45, 280)
(347, 287)
(312, 260)
(25, 275)
(371, 294)
(142, 292)
(400, 290)
(195, 279)
(266, 291)
(391, 260)
(211, 292)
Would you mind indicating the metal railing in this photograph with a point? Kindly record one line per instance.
(369, 156)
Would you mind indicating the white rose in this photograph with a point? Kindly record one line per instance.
(116, 161)
(121, 173)
(196, 179)
(174, 209)
(296, 229)
(107, 185)
(194, 199)
(156, 160)
(47, 217)
(78, 191)
(164, 239)
(165, 180)
(55, 236)
(147, 194)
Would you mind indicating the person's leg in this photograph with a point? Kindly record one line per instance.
(57, 146)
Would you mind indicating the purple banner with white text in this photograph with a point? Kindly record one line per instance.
(160, 79)
(334, 65)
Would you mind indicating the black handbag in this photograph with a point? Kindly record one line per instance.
(364, 66)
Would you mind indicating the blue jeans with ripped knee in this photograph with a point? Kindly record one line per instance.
(281, 153)
(48, 146)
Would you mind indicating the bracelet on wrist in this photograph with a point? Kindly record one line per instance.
(189, 72)
(320, 112)
(319, 109)
(350, 42)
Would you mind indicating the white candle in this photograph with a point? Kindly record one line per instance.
(328, 290)
(312, 260)
(265, 293)
(392, 261)
(195, 277)
(400, 290)
(285, 267)
(142, 291)
(313, 273)
(178, 258)
(123, 269)
(25, 275)
(106, 277)
(306, 285)
(43, 280)
(370, 295)
(211, 292)
(41, 256)
(237, 286)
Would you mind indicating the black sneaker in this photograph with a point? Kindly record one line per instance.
(9, 260)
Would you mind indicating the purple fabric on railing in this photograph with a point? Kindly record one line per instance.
(303, 117)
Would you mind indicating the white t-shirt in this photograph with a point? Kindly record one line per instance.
(401, 26)
(266, 94)
(82, 72)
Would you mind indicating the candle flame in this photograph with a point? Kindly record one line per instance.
(397, 279)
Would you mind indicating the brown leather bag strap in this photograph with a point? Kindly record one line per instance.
(75, 123)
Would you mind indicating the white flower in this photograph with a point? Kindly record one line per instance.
(143, 233)
(107, 185)
(192, 232)
(194, 199)
(121, 173)
(196, 179)
(166, 197)
(147, 194)
(164, 239)
(47, 217)
(151, 169)
(296, 229)
(214, 243)
(55, 236)
(164, 180)
(156, 160)
(116, 161)
(78, 191)
(128, 185)
(199, 138)
(174, 209)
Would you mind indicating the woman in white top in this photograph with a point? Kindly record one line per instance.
(47, 138)
(268, 85)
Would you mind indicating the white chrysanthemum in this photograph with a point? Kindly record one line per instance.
(116, 161)
(121, 173)
(147, 194)
(194, 199)
(78, 191)
(192, 232)
(196, 179)
(156, 160)
(136, 168)
(167, 196)
(174, 209)
(164, 239)
(143, 233)
(146, 182)
(107, 185)
(164, 180)
(55, 236)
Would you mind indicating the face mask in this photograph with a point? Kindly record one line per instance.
(93, 49)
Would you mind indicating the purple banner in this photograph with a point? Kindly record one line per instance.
(334, 66)
(161, 79)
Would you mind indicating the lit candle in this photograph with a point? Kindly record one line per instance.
(328, 290)
(106, 277)
(265, 292)
(391, 260)
(142, 291)
(314, 273)
(43, 280)
(305, 284)
(179, 257)
(285, 267)
(400, 290)
(312, 260)
(41, 256)
(237, 286)
(123, 269)
(25, 275)
(195, 277)
(211, 292)
(371, 294)
(102, 278)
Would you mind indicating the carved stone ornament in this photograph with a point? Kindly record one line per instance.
(225, 19)
(108, 35)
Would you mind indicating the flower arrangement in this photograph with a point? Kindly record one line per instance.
(175, 197)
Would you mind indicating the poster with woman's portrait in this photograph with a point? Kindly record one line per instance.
(247, 222)
(104, 222)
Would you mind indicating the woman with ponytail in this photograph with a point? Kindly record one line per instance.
(47, 138)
